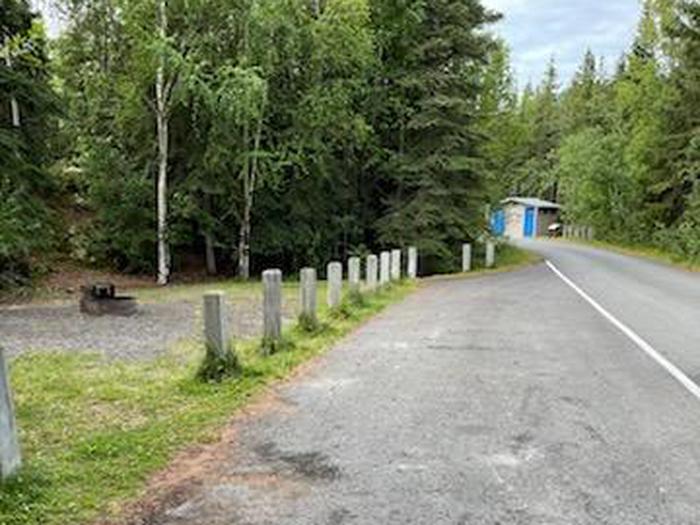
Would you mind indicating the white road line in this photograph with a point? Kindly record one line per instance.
(672, 369)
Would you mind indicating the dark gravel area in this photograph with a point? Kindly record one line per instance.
(153, 330)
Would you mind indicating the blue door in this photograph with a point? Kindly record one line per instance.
(498, 223)
(529, 226)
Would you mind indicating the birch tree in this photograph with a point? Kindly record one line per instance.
(163, 93)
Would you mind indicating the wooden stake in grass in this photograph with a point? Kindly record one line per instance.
(371, 272)
(307, 299)
(384, 268)
(272, 309)
(10, 459)
(354, 274)
(334, 275)
(220, 360)
(466, 258)
(395, 265)
(490, 254)
(412, 265)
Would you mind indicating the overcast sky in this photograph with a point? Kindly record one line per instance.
(536, 30)
(539, 29)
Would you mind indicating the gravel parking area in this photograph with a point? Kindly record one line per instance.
(152, 331)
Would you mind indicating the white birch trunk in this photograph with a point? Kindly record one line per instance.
(249, 182)
(14, 105)
(162, 130)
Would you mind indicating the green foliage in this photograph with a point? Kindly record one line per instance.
(594, 184)
(27, 119)
(271, 346)
(435, 177)
(309, 324)
(356, 298)
(620, 152)
(216, 367)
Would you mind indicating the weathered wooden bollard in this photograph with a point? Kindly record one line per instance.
(490, 254)
(334, 274)
(371, 272)
(354, 274)
(395, 265)
(220, 360)
(412, 266)
(307, 296)
(10, 458)
(216, 335)
(272, 305)
(384, 264)
(466, 258)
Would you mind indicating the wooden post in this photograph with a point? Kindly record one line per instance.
(354, 274)
(335, 284)
(216, 335)
(10, 458)
(490, 254)
(412, 267)
(466, 258)
(272, 305)
(307, 294)
(384, 264)
(371, 272)
(395, 265)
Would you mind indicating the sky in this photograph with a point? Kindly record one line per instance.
(537, 30)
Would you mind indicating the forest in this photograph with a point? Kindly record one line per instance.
(162, 137)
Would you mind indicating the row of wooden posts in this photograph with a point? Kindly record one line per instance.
(574, 231)
(379, 273)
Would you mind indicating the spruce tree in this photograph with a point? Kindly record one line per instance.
(437, 193)
(26, 110)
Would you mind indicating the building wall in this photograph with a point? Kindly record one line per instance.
(515, 217)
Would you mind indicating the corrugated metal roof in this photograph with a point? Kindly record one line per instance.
(531, 201)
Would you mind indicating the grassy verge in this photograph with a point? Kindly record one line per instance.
(508, 258)
(647, 252)
(92, 432)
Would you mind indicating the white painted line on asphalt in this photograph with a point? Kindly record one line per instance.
(672, 369)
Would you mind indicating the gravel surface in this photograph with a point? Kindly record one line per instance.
(153, 330)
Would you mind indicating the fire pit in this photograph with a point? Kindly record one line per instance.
(100, 299)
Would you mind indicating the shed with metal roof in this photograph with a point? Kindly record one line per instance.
(524, 217)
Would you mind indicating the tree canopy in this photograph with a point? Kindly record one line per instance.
(170, 136)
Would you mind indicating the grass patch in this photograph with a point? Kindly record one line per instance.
(646, 252)
(508, 258)
(216, 367)
(92, 432)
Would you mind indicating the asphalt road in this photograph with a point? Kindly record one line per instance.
(503, 399)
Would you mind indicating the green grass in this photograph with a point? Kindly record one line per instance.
(647, 252)
(508, 258)
(92, 432)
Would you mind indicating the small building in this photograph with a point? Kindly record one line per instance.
(524, 217)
